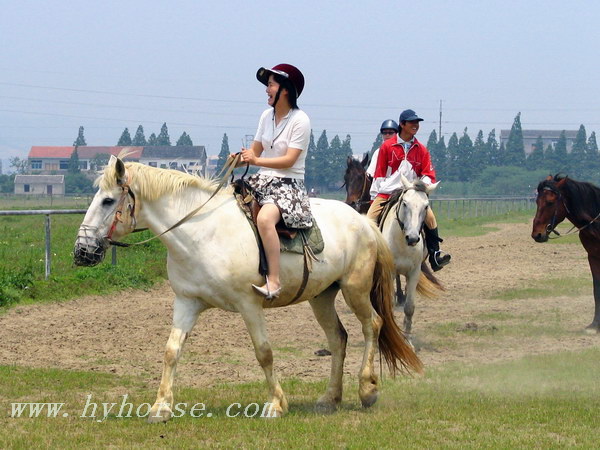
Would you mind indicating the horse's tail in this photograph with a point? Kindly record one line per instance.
(392, 343)
(428, 286)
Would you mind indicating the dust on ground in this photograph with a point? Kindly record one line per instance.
(126, 333)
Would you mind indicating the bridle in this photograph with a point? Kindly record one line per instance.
(357, 204)
(125, 192)
(551, 227)
(399, 204)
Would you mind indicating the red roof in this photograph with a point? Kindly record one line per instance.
(87, 151)
(84, 152)
(50, 152)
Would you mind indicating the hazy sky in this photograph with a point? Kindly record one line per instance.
(108, 64)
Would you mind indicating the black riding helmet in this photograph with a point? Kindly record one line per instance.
(389, 124)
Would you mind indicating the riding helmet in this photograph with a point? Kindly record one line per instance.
(285, 70)
(389, 125)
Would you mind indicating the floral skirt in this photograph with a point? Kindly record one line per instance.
(288, 194)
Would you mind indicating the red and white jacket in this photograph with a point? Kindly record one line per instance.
(393, 161)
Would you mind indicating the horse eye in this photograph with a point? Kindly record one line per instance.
(108, 201)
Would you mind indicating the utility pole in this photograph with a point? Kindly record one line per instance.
(440, 129)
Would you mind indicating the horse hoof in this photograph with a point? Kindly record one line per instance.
(161, 417)
(369, 400)
(273, 413)
(592, 329)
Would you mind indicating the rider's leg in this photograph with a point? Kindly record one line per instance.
(437, 258)
(267, 218)
(375, 209)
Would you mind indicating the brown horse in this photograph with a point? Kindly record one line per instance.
(358, 184)
(562, 197)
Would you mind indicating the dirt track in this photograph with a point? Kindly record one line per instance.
(126, 334)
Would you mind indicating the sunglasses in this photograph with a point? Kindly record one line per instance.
(385, 132)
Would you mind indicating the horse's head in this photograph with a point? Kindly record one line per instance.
(413, 202)
(358, 184)
(110, 216)
(551, 208)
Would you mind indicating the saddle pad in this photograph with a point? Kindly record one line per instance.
(312, 236)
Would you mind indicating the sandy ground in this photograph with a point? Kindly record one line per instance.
(126, 333)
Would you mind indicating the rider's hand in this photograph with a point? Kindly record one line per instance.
(248, 156)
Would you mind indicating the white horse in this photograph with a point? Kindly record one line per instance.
(401, 229)
(213, 260)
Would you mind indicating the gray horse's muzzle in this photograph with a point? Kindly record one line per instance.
(86, 255)
(89, 250)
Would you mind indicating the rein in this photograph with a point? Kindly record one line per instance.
(230, 165)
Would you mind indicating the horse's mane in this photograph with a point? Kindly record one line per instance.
(418, 186)
(583, 198)
(151, 183)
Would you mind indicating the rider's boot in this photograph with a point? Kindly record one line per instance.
(437, 258)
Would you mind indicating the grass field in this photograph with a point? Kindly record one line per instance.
(547, 401)
(22, 257)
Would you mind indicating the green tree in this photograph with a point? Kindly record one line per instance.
(125, 138)
(311, 173)
(560, 162)
(334, 171)
(493, 150)
(480, 158)
(139, 140)
(74, 162)
(78, 183)
(80, 141)
(592, 161)
(152, 140)
(184, 140)
(347, 148)
(163, 138)
(223, 154)
(464, 158)
(453, 172)
(577, 158)
(440, 159)
(377, 143)
(515, 150)
(535, 160)
(7, 183)
(322, 159)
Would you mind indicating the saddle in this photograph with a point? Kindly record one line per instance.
(307, 242)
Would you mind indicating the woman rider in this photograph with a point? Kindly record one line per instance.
(279, 149)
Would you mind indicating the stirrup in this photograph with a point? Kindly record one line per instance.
(268, 294)
(437, 260)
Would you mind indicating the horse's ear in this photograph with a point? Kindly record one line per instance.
(407, 184)
(120, 171)
(430, 188)
(365, 161)
(349, 159)
(549, 178)
(561, 183)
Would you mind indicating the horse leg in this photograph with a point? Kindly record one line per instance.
(400, 297)
(185, 315)
(594, 327)
(359, 302)
(412, 279)
(254, 318)
(323, 307)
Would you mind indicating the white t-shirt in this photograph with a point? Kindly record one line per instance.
(293, 131)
